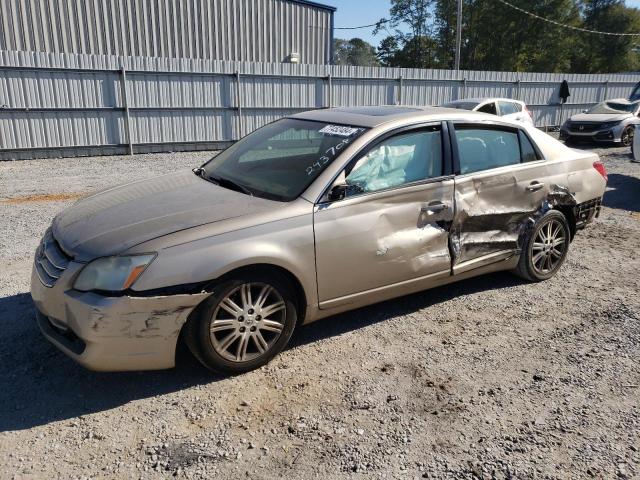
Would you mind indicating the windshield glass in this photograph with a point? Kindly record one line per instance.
(635, 95)
(461, 105)
(614, 107)
(280, 160)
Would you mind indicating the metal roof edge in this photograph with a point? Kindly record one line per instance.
(313, 4)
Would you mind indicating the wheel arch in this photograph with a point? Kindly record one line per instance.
(569, 213)
(262, 267)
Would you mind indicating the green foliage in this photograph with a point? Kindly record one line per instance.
(355, 52)
(497, 37)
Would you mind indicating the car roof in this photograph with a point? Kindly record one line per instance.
(486, 99)
(375, 116)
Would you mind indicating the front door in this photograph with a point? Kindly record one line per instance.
(392, 224)
(501, 183)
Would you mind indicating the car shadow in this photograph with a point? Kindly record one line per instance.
(379, 312)
(40, 385)
(622, 192)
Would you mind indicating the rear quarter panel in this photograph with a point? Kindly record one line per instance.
(570, 169)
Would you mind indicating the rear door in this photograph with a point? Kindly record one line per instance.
(501, 181)
(392, 226)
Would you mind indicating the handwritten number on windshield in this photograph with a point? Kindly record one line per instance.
(326, 158)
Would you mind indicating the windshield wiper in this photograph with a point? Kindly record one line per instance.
(225, 182)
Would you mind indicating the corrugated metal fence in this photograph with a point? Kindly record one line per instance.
(68, 105)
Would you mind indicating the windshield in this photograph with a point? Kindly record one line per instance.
(461, 105)
(614, 107)
(635, 95)
(280, 160)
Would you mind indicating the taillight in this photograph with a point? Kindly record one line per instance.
(599, 166)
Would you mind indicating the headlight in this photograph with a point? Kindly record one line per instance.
(112, 274)
(608, 124)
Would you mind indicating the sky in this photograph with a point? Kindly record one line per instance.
(353, 13)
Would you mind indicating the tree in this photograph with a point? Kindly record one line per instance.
(387, 51)
(604, 53)
(496, 36)
(355, 52)
(416, 46)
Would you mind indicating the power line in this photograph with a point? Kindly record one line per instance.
(521, 10)
(362, 26)
(563, 25)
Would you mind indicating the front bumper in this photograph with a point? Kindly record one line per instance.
(110, 333)
(613, 134)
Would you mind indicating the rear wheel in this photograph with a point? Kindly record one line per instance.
(546, 248)
(244, 324)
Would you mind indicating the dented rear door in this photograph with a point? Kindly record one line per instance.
(500, 186)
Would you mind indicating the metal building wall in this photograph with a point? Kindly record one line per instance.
(242, 30)
(69, 105)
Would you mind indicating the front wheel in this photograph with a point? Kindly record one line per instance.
(246, 322)
(546, 248)
(627, 136)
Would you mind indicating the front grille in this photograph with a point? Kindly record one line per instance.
(583, 127)
(51, 261)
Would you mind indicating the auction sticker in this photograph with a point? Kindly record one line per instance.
(339, 130)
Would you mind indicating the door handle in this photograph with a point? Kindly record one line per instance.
(535, 186)
(431, 208)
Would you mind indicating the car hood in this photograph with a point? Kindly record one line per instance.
(600, 117)
(116, 219)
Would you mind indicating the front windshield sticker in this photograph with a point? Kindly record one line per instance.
(329, 154)
(339, 130)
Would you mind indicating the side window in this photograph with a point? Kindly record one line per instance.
(528, 152)
(484, 148)
(507, 108)
(401, 159)
(489, 108)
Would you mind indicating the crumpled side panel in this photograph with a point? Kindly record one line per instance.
(494, 213)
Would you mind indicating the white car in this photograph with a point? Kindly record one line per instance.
(503, 107)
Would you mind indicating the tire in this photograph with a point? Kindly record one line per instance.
(626, 139)
(541, 259)
(227, 332)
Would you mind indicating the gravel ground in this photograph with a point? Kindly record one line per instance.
(487, 378)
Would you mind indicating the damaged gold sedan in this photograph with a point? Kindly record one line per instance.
(311, 215)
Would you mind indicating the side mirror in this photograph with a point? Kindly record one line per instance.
(338, 192)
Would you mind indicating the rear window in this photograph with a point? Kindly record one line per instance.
(507, 108)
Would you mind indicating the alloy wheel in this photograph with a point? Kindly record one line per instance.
(548, 247)
(247, 322)
(627, 136)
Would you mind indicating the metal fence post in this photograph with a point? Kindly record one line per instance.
(605, 91)
(239, 107)
(400, 82)
(125, 102)
(329, 91)
(518, 90)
